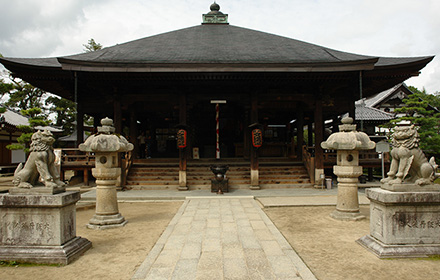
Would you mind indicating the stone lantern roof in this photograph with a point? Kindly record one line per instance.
(348, 138)
(105, 140)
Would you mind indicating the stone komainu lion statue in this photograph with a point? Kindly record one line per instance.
(407, 158)
(39, 165)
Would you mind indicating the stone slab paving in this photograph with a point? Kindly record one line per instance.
(222, 238)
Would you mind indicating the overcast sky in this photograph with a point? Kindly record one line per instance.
(46, 28)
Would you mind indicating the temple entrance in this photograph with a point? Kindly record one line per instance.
(202, 120)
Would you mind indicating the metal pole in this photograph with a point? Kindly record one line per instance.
(360, 95)
(383, 165)
(75, 92)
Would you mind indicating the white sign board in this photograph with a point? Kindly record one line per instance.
(382, 146)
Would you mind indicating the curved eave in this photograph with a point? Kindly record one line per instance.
(75, 65)
(50, 63)
(392, 62)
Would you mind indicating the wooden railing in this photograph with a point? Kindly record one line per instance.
(309, 163)
(367, 158)
(126, 163)
(74, 159)
(73, 156)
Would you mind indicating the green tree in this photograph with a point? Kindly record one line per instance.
(420, 112)
(432, 99)
(22, 95)
(4, 88)
(92, 46)
(36, 118)
(64, 112)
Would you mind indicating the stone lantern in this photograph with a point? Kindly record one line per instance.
(106, 145)
(348, 142)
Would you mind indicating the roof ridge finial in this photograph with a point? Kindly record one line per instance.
(215, 16)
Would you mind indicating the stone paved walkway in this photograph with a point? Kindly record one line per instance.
(222, 238)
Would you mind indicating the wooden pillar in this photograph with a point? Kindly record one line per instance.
(319, 137)
(79, 124)
(309, 134)
(255, 185)
(134, 131)
(117, 115)
(183, 155)
(299, 130)
(96, 122)
(352, 110)
(335, 125)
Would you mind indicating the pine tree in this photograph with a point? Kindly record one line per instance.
(36, 118)
(427, 118)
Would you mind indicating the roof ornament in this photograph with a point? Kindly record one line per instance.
(215, 16)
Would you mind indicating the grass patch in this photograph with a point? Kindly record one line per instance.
(24, 264)
(434, 258)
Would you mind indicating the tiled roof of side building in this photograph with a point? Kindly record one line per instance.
(15, 119)
(372, 114)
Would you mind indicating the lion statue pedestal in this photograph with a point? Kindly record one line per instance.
(37, 216)
(405, 212)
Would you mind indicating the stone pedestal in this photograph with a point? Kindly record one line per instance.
(347, 207)
(183, 186)
(403, 224)
(40, 228)
(107, 212)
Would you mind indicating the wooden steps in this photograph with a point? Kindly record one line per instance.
(165, 175)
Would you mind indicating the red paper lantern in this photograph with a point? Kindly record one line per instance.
(181, 138)
(257, 138)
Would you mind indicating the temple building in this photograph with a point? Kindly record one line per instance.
(156, 84)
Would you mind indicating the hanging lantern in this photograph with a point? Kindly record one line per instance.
(181, 138)
(257, 138)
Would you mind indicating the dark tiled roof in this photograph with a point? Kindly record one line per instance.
(38, 62)
(217, 44)
(371, 114)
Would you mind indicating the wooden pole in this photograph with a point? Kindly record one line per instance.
(319, 137)
(299, 130)
(217, 131)
(255, 181)
(183, 157)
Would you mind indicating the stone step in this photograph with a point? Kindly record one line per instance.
(200, 176)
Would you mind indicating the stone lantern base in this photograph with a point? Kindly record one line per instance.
(40, 228)
(347, 216)
(106, 221)
(403, 224)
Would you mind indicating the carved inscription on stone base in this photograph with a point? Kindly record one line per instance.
(401, 222)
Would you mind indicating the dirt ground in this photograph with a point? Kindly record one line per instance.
(328, 247)
(116, 253)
